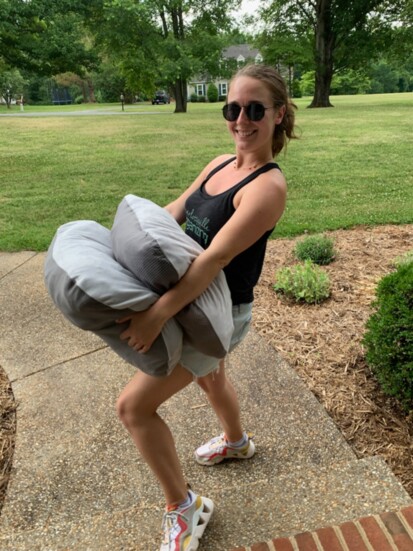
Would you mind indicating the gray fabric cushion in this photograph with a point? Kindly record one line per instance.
(93, 290)
(147, 241)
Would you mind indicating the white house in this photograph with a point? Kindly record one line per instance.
(242, 54)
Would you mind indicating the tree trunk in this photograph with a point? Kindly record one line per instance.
(324, 47)
(180, 88)
(92, 97)
(85, 91)
(181, 98)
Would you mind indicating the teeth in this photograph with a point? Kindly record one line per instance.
(244, 134)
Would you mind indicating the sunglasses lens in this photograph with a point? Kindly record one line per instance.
(255, 111)
(231, 111)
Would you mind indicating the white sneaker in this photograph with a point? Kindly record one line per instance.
(183, 528)
(218, 449)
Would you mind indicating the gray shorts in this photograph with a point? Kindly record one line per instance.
(200, 364)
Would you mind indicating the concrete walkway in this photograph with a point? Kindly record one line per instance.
(78, 483)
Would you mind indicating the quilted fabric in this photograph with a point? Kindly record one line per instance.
(147, 241)
(96, 276)
(93, 290)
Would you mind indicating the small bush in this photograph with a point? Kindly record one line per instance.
(317, 248)
(212, 93)
(389, 335)
(201, 99)
(193, 97)
(303, 283)
(406, 258)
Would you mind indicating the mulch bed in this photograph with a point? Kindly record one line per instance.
(322, 343)
(7, 432)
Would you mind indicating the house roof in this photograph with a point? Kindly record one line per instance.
(244, 50)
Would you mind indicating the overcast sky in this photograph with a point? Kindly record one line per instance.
(248, 7)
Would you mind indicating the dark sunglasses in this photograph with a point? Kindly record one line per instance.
(255, 111)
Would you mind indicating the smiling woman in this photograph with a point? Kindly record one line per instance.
(232, 208)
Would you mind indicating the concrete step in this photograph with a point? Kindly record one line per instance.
(246, 511)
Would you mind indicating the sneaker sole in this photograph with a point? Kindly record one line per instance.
(204, 518)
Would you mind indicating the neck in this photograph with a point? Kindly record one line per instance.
(251, 163)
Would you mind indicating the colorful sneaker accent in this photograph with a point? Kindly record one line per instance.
(183, 528)
(218, 449)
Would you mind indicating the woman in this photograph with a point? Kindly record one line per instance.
(237, 201)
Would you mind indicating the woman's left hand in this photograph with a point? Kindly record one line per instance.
(144, 328)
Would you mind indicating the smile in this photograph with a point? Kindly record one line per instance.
(244, 134)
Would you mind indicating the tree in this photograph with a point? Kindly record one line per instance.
(344, 33)
(163, 42)
(20, 28)
(12, 85)
(284, 49)
(44, 37)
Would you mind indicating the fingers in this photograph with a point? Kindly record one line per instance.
(133, 342)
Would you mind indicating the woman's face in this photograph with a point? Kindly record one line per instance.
(253, 135)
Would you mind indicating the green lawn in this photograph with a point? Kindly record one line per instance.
(352, 165)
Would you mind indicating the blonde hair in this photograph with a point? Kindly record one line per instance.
(275, 84)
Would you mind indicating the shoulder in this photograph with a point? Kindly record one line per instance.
(270, 183)
(266, 194)
(216, 162)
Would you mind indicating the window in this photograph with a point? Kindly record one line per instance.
(200, 89)
(222, 89)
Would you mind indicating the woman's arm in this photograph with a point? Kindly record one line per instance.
(260, 207)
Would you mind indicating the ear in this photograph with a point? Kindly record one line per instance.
(280, 115)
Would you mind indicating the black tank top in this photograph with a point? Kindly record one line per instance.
(205, 216)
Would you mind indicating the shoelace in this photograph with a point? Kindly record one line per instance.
(218, 443)
(170, 526)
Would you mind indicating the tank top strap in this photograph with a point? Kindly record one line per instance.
(218, 168)
(248, 179)
(252, 176)
(258, 172)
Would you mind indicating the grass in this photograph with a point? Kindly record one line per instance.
(352, 165)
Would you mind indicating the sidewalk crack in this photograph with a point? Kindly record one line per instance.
(59, 364)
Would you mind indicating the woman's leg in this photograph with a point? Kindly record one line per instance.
(137, 408)
(223, 398)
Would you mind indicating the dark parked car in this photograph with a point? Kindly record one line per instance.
(161, 97)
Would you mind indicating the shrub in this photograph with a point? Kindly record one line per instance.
(194, 97)
(406, 258)
(317, 248)
(201, 99)
(389, 335)
(212, 93)
(303, 283)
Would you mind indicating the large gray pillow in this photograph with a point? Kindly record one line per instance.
(93, 290)
(147, 241)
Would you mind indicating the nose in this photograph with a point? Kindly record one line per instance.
(242, 115)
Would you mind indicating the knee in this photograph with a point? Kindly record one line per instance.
(131, 410)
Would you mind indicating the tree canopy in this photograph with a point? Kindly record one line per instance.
(163, 42)
(136, 46)
(44, 37)
(343, 33)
